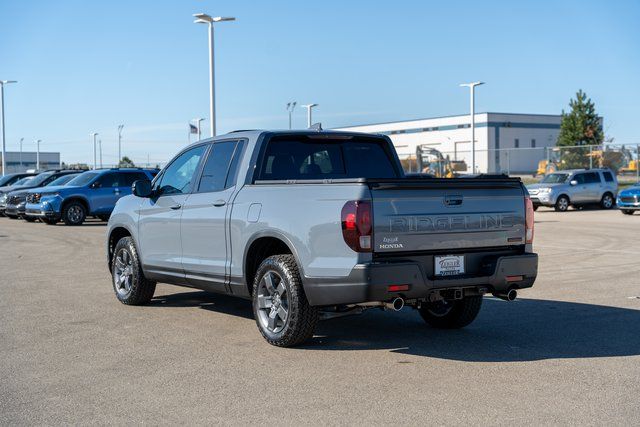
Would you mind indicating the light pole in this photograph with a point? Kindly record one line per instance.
(472, 89)
(100, 146)
(203, 18)
(4, 148)
(198, 120)
(290, 107)
(119, 143)
(309, 107)
(21, 139)
(38, 141)
(95, 161)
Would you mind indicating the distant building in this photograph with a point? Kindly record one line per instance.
(505, 142)
(20, 163)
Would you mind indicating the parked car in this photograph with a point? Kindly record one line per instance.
(92, 193)
(12, 178)
(63, 180)
(16, 198)
(9, 184)
(300, 221)
(576, 187)
(629, 199)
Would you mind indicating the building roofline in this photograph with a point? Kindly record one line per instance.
(447, 117)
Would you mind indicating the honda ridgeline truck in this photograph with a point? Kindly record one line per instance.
(313, 224)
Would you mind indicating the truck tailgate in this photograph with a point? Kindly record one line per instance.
(447, 214)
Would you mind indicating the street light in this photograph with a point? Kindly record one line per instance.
(4, 148)
(309, 107)
(100, 145)
(203, 18)
(472, 89)
(21, 139)
(119, 143)
(198, 120)
(290, 107)
(38, 141)
(95, 160)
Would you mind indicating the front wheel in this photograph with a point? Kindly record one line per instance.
(607, 201)
(282, 312)
(627, 211)
(29, 218)
(129, 283)
(50, 221)
(562, 204)
(451, 314)
(74, 213)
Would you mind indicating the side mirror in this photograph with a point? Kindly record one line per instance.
(142, 188)
(573, 182)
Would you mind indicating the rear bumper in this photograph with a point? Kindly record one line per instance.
(369, 282)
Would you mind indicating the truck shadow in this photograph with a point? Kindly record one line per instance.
(523, 330)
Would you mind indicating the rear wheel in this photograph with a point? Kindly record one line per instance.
(451, 314)
(607, 201)
(74, 213)
(562, 204)
(282, 312)
(129, 283)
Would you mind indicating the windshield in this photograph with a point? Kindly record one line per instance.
(555, 178)
(83, 179)
(7, 180)
(23, 181)
(62, 180)
(39, 179)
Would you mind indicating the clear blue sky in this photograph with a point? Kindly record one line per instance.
(87, 66)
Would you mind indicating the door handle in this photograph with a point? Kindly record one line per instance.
(219, 203)
(175, 207)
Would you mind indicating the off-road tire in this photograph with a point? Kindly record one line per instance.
(68, 213)
(302, 318)
(607, 201)
(562, 204)
(461, 313)
(142, 289)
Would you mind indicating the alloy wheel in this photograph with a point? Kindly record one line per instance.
(123, 272)
(273, 302)
(74, 214)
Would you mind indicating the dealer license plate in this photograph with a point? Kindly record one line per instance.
(449, 265)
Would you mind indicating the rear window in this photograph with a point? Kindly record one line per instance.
(607, 176)
(302, 157)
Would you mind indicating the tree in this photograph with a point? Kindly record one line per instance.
(126, 163)
(581, 126)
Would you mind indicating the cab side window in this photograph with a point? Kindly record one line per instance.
(108, 180)
(179, 175)
(218, 167)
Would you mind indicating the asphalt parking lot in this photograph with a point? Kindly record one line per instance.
(568, 351)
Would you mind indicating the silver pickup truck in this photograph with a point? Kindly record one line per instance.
(313, 224)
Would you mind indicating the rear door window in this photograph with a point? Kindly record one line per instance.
(302, 157)
(109, 180)
(608, 176)
(592, 178)
(214, 173)
(129, 178)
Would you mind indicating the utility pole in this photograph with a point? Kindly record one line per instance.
(472, 89)
(290, 107)
(119, 143)
(309, 107)
(4, 148)
(38, 154)
(95, 161)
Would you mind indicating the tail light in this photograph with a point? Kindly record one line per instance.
(528, 220)
(357, 225)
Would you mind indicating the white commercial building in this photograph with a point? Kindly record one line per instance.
(20, 162)
(505, 142)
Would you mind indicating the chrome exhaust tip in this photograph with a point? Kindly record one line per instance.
(510, 295)
(396, 304)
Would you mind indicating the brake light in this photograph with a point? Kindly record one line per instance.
(357, 226)
(528, 220)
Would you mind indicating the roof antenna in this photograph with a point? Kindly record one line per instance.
(316, 126)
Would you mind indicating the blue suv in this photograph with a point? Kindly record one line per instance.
(92, 193)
